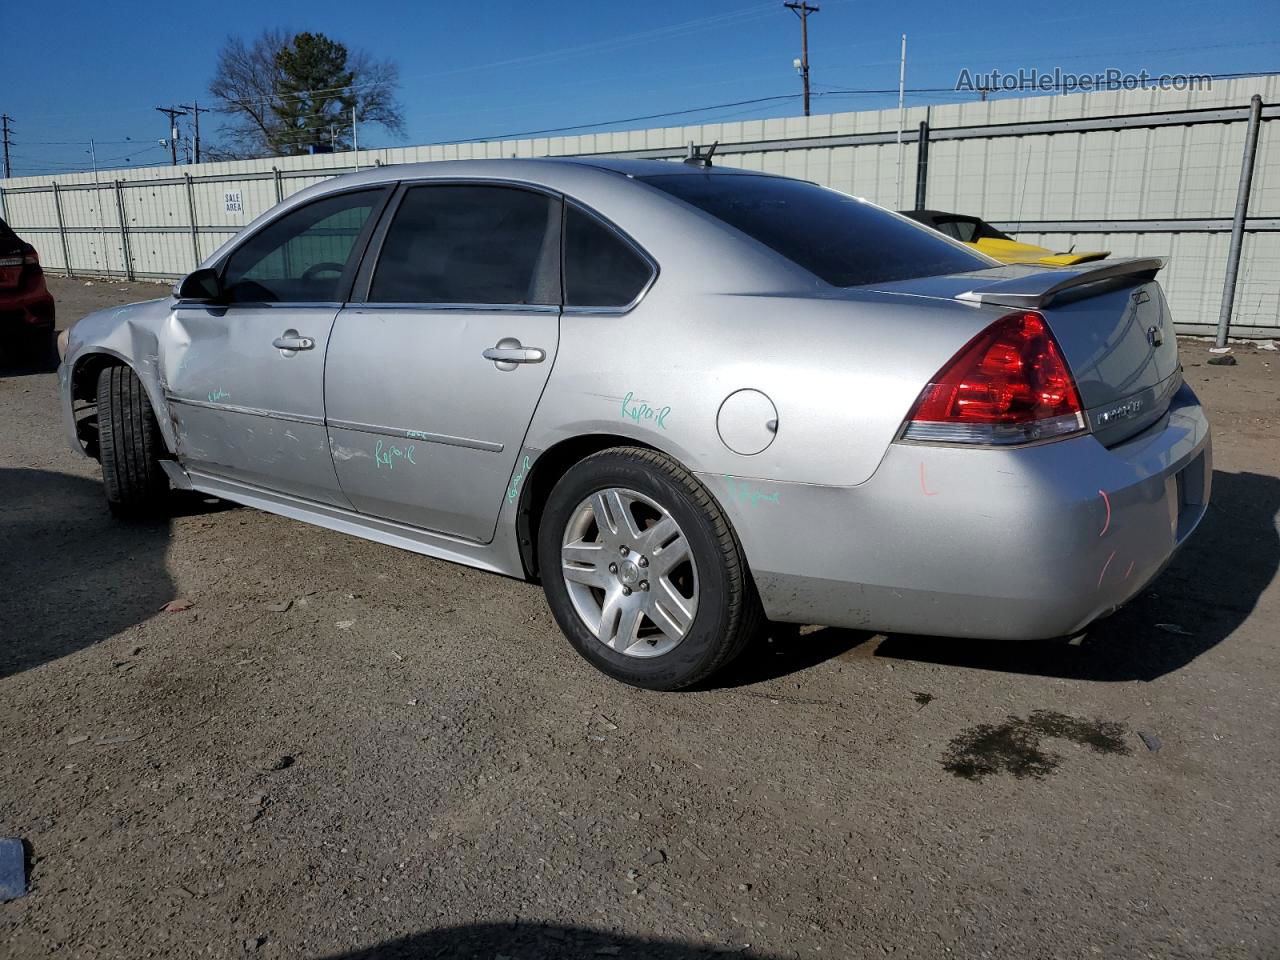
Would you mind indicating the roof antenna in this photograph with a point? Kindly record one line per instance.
(697, 159)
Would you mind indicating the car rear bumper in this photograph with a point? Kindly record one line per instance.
(1024, 543)
(26, 311)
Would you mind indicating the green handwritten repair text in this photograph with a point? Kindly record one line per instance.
(638, 410)
(741, 492)
(521, 472)
(386, 455)
(219, 394)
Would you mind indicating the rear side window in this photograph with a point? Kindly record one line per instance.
(843, 241)
(471, 244)
(301, 256)
(600, 268)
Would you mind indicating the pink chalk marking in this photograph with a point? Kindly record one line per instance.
(1129, 571)
(1107, 500)
(1104, 568)
(924, 486)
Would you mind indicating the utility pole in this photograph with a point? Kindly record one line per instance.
(802, 10)
(5, 120)
(902, 116)
(355, 145)
(196, 110)
(173, 113)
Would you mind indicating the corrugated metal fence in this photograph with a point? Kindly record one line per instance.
(1145, 171)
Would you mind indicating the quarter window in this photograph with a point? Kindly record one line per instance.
(301, 256)
(471, 244)
(600, 268)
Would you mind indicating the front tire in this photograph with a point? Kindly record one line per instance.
(643, 572)
(129, 446)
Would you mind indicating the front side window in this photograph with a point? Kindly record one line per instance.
(458, 243)
(600, 268)
(840, 239)
(300, 257)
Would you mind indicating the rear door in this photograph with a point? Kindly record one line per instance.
(245, 379)
(433, 379)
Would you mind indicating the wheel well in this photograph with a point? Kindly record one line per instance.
(84, 378)
(546, 473)
(84, 391)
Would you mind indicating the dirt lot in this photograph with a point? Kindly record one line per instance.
(409, 760)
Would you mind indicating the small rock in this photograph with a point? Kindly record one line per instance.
(606, 722)
(654, 857)
(744, 888)
(280, 607)
(1226, 360)
(135, 651)
(284, 763)
(1151, 740)
(81, 738)
(345, 624)
(178, 606)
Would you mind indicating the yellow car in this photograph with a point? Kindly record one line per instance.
(984, 237)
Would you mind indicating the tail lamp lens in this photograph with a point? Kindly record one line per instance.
(1009, 384)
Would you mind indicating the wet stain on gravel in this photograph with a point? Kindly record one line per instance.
(1015, 746)
(924, 699)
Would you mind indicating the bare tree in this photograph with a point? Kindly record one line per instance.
(277, 100)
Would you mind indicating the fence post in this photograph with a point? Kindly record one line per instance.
(195, 230)
(62, 229)
(125, 252)
(922, 163)
(279, 184)
(1237, 225)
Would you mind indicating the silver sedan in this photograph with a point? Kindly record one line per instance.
(685, 398)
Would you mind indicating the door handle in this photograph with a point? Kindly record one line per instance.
(509, 352)
(516, 354)
(290, 342)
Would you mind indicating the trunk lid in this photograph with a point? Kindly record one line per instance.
(1112, 322)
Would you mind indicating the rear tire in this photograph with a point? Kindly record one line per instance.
(659, 647)
(129, 446)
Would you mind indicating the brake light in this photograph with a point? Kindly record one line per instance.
(31, 259)
(1009, 384)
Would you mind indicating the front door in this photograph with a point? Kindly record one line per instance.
(432, 381)
(245, 378)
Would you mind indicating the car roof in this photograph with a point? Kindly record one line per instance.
(538, 168)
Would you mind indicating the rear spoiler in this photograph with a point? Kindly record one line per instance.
(1036, 290)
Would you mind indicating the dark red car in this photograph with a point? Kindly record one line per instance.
(26, 306)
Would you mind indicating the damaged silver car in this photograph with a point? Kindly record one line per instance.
(684, 398)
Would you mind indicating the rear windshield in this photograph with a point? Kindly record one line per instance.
(843, 241)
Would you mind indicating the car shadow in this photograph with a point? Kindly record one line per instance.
(535, 941)
(1207, 592)
(20, 360)
(70, 573)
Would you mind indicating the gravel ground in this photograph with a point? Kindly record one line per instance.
(343, 750)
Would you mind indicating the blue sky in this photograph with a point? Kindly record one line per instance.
(80, 70)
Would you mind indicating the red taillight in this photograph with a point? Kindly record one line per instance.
(1009, 384)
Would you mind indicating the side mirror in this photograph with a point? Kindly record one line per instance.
(201, 285)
